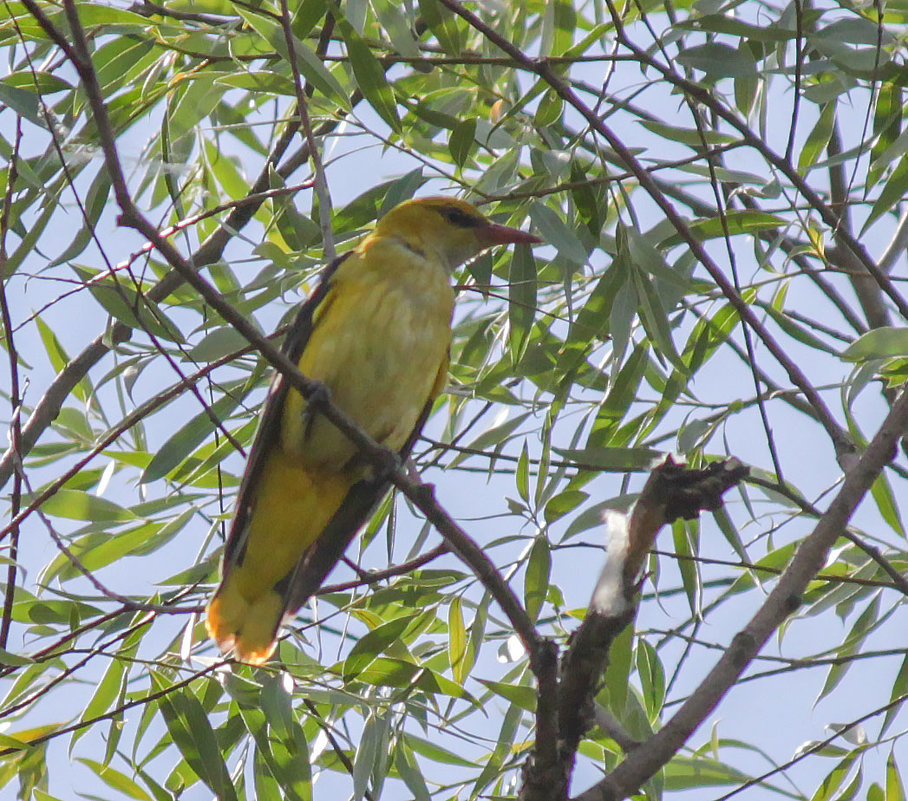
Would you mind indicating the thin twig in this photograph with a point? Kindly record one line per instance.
(15, 399)
(375, 576)
(302, 109)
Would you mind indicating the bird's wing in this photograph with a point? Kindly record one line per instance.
(270, 424)
(357, 507)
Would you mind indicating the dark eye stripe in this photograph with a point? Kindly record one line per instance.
(459, 217)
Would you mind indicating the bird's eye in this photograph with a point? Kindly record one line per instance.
(459, 217)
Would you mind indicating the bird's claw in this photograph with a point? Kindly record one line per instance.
(316, 402)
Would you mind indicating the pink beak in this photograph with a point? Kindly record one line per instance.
(495, 234)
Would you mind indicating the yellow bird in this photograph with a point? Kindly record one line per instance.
(376, 333)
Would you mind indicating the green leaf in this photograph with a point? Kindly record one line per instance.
(725, 23)
(693, 137)
(654, 317)
(367, 754)
(94, 204)
(521, 300)
(893, 192)
(886, 503)
(187, 438)
(9, 659)
(895, 790)
(372, 644)
(686, 773)
(77, 505)
(410, 771)
(852, 644)
(107, 690)
(522, 476)
(798, 331)
(887, 120)
(218, 344)
(683, 536)
(188, 725)
(536, 581)
(122, 301)
(559, 22)
(435, 752)
(557, 233)
(310, 66)
(520, 695)
(832, 783)
(899, 688)
(737, 222)
(652, 679)
(462, 140)
(370, 76)
(457, 642)
(818, 138)
(289, 752)
(24, 101)
(549, 110)
(878, 343)
(718, 60)
(288, 766)
(116, 780)
(611, 459)
(618, 671)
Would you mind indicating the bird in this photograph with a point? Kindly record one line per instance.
(376, 334)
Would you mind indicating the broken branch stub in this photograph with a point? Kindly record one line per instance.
(672, 491)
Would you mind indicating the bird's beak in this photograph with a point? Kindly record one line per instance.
(494, 234)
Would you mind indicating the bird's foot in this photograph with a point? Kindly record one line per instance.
(316, 402)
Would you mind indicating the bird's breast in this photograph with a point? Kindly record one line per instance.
(379, 339)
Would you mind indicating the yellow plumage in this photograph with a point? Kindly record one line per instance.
(376, 333)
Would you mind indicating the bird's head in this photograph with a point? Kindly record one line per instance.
(449, 228)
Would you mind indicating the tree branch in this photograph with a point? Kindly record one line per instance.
(779, 605)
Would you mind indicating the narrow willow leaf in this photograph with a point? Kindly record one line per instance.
(878, 343)
(536, 581)
(188, 725)
(435, 751)
(410, 772)
(522, 477)
(78, 505)
(367, 753)
(558, 233)
(894, 190)
(370, 76)
(521, 300)
(886, 503)
(718, 60)
(462, 140)
(652, 679)
(818, 138)
(116, 780)
(186, 439)
(372, 644)
(457, 641)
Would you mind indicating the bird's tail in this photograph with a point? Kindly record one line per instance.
(292, 509)
(248, 626)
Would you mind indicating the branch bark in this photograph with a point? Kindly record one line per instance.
(784, 599)
(672, 491)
